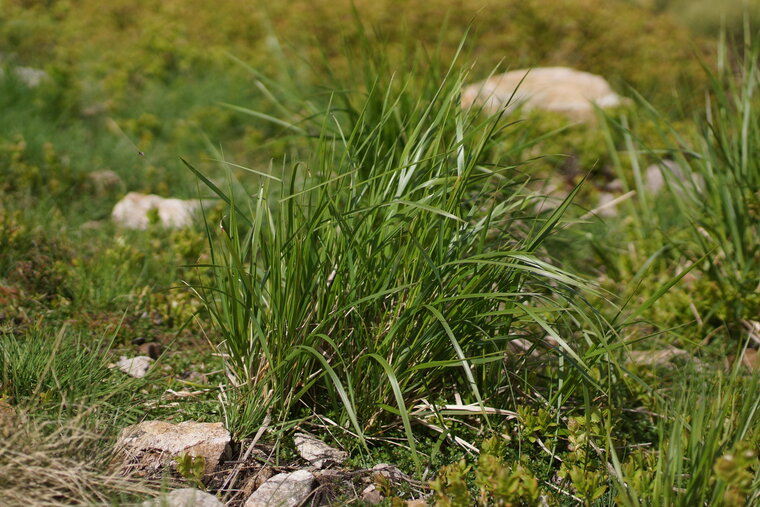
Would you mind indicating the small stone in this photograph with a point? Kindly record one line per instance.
(390, 472)
(103, 181)
(97, 109)
(605, 208)
(371, 495)
(750, 360)
(134, 367)
(316, 452)
(255, 481)
(664, 358)
(151, 446)
(615, 186)
(419, 502)
(654, 177)
(185, 497)
(31, 77)
(283, 490)
(91, 225)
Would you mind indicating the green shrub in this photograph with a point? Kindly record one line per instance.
(111, 48)
(48, 173)
(709, 17)
(652, 52)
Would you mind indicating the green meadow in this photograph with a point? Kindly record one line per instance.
(506, 307)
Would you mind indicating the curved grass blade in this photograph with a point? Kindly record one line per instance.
(341, 390)
(401, 407)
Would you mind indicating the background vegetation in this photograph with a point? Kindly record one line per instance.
(421, 285)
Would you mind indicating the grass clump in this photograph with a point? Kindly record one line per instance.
(707, 207)
(66, 373)
(388, 275)
(707, 451)
(60, 409)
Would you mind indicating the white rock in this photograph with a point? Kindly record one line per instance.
(133, 211)
(654, 180)
(150, 446)
(654, 177)
(317, 452)
(185, 497)
(559, 89)
(29, 76)
(283, 490)
(137, 366)
(614, 186)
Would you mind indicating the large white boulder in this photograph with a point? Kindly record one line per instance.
(135, 211)
(560, 89)
(150, 447)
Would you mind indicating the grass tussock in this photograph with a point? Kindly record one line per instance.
(707, 452)
(705, 215)
(397, 267)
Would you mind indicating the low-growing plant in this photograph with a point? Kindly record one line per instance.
(535, 424)
(738, 470)
(38, 173)
(450, 485)
(496, 482)
(191, 468)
